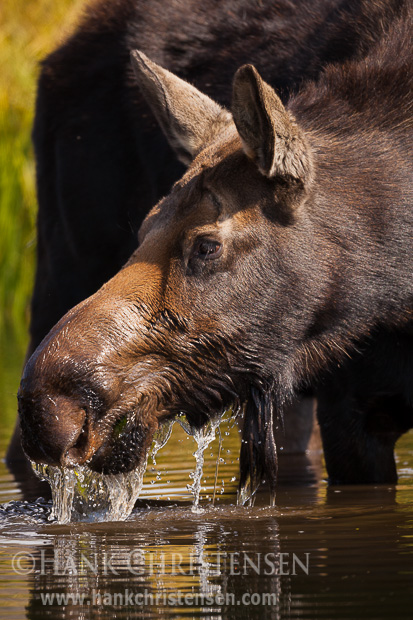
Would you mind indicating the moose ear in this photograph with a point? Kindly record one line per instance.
(269, 133)
(188, 118)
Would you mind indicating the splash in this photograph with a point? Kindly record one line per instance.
(203, 437)
(217, 467)
(62, 483)
(161, 438)
(81, 494)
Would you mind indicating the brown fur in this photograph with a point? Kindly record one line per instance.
(281, 258)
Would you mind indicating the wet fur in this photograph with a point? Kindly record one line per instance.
(101, 159)
(356, 108)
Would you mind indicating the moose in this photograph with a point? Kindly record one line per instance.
(280, 261)
(101, 160)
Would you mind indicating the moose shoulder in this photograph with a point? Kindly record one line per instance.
(282, 255)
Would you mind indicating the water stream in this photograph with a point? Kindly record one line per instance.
(229, 561)
(81, 494)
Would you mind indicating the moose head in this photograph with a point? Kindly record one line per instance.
(223, 304)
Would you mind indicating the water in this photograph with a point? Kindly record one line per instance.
(320, 553)
(161, 438)
(203, 437)
(81, 494)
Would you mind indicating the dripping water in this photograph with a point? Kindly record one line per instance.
(81, 494)
(203, 437)
(161, 438)
(217, 466)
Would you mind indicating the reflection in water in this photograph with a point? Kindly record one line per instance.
(323, 560)
(156, 568)
(322, 553)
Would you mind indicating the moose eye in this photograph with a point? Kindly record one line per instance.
(207, 249)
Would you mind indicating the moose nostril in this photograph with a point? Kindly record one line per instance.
(80, 451)
(51, 427)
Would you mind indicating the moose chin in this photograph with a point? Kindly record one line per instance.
(280, 260)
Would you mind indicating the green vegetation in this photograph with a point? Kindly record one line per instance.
(28, 31)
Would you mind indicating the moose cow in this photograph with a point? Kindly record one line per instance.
(102, 161)
(282, 257)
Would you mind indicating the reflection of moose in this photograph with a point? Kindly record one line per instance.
(234, 555)
(272, 257)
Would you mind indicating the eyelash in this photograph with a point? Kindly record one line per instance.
(207, 249)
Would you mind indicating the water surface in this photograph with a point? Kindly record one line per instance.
(342, 552)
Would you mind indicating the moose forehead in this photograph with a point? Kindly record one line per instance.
(239, 163)
(221, 188)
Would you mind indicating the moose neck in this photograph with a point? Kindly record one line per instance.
(350, 239)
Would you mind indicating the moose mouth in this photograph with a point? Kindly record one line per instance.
(110, 443)
(107, 424)
(65, 435)
(125, 448)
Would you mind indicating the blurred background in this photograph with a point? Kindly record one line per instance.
(29, 30)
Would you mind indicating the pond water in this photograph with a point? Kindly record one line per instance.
(342, 552)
